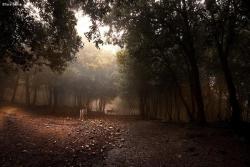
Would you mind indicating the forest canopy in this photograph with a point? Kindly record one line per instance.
(125, 83)
(181, 60)
(38, 32)
(181, 45)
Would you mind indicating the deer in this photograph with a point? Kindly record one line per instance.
(83, 114)
(111, 111)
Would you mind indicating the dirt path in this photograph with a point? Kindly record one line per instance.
(156, 144)
(28, 140)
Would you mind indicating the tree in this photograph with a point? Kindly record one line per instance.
(38, 32)
(226, 23)
(150, 27)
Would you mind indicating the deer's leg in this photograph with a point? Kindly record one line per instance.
(83, 113)
(80, 114)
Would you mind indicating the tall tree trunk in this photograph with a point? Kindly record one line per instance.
(142, 105)
(177, 108)
(50, 89)
(236, 109)
(15, 89)
(190, 114)
(27, 89)
(219, 115)
(76, 104)
(2, 92)
(196, 85)
(55, 98)
(224, 38)
(248, 106)
(35, 96)
(88, 105)
(192, 100)
(170, 112)
(102, 105)
(190, 52)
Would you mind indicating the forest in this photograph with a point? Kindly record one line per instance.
(161, 83)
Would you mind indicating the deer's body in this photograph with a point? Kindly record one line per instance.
(111, 111)
(83, 114)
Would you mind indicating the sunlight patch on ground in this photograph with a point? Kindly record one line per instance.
(23, 120)
(8, 110)
(4, 112)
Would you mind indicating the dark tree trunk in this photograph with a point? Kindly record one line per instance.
(35, 96)
(15, 89)
(50, 89)
(55, 98)
(224, 35)
(102, 105)
(219, 116)
(166, 107)
(170, 112)
(179, 89)
(192, 100)
(88, 105)
(27, 89)
(142, 105)
(236, 109)
(196, 85)
(248, 106)
(177, 108)
(2, 91)
(189, 50)
(76, 104)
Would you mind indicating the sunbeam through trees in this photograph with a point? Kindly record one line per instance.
(124, 83)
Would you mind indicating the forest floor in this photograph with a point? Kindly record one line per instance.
(42, 141)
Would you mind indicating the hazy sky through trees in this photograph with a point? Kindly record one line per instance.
(83, 24)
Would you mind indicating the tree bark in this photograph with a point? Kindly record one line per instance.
(190, 115)
(219, 115)
(190, 53)
(55, 98)
(195, 81)
(50, 100)
(35, 96)
(142, 105)
(224, 38)
(248, 106)
(15, 89)
(2, 92)
(27, 89)
(235, 105)
(177, 108)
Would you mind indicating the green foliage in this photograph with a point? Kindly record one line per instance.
(170, 43)
(38, 32)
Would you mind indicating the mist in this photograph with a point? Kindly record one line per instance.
(109, 83)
